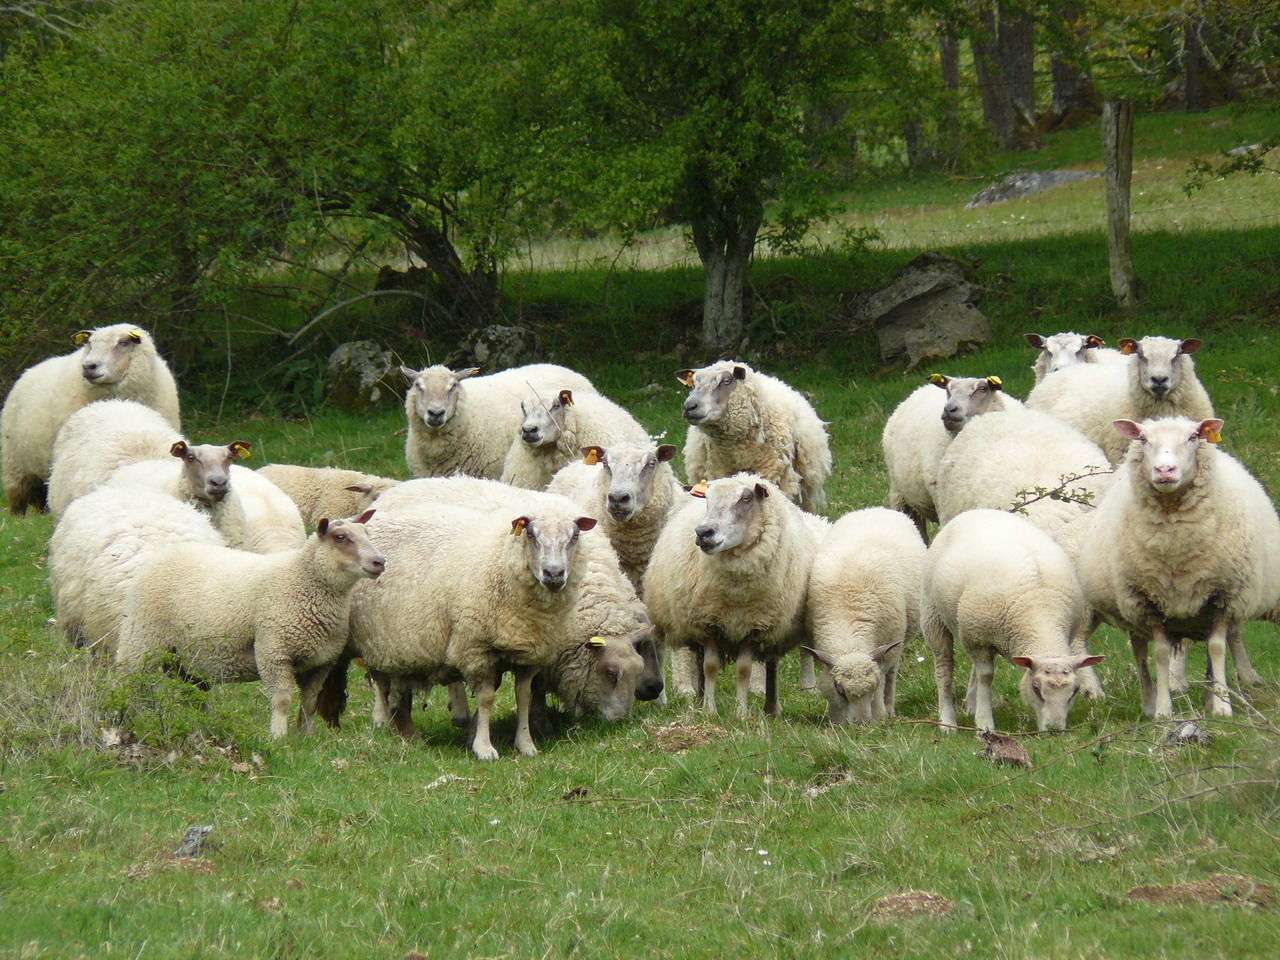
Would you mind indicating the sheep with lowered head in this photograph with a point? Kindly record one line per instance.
(1157, 379)
(863, 604)
(1185, 543)
(326, 491)
(741, 420)
(461, 423)
(117, 361)
(999, 585)
(1064, 350)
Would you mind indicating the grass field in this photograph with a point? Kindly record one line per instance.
(670, 834)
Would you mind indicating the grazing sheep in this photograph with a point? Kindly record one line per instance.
(102, 540)
(1064, 350)
(231, 616)
(326, 491)
(629, 489)
(97, 439)
(463, 424)
(730, 575)
(863, 604)
(1185, 543)
(920, 429)
(1000, 585)
(1158, 379)
(741, 420)
(119, 361)
(556, 428)
(512, 610)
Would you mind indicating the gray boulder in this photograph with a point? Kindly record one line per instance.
(1025, 184)
(361, 375)
(497, 347)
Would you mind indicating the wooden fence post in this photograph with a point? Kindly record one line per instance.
(1117, 148)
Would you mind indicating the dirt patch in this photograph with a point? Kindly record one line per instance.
(913, 903)
(681, 735)
(164, 864)
(828, 780)
(1222, 888)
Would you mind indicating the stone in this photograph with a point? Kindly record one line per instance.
(361, 375)
(927, 312)
(496, 347)
(1025, 184)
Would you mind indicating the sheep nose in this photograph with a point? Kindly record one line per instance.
(375, 566)
(705, 537)
(619, 502)
(1159, 384)
(1166, 471)
(89, 370)
(435, 416)
(553, 578)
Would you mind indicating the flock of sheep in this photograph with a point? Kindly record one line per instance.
(546, 535)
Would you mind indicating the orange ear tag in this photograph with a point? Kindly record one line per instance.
(688, 379)
(518, 525)
(1213, 436)
(699, 489)
(592, 457)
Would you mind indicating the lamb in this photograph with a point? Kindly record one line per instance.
(250, 511)
(863, 604)
(102, 540)
(231, 616)
(1157, 379)
(513, 610)
(1003, 586)
(1064, 350)
(460, 423)
(629, 488)
(920, 429)
(556, 428)
(1184, 543)
(117, 361)
(97, 439)
(742, 420)
(326, 491)
(731, 575)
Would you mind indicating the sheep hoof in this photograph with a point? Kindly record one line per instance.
(485, 753)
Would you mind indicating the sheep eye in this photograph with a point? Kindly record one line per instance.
(340, 538)
(727, 380)
(611, 676)
(1035, 687)
(652, 462)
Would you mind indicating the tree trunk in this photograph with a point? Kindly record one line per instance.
(949, 56)
(1195, 66)
(1073, 89)
(1017, 51)
(997, 109)
(920, 152)
(725, 251)
(472, 295)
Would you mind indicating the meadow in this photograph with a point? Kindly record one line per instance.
(672, 834)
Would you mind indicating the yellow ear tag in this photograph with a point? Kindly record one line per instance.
(1213, 436)
(995, 382)
(81, 338)
(937, 379)
(241, 450)
(592, 458)
(597, 642)
(135, 336)
(699, 489)
(518, 525)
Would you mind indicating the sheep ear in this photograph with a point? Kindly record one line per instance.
(322, 528)
(135, 336)
(740, 373)
(566, 397)
(518, 525)
(642, 635)
(1092, 341)
(1026, 662)
(881, 650)
(592, 455)
(938, 380)
(1089, 661)
(995, 383)
(666, 452)
(1190, 346)
(1127, 346)
(823, 658)
(81, 338)
(1210, 430)
(1129, 428)
(409, 372)
(364, 517)
(762, 492)
(469, 372)
(685, 377)
(179, 449)
(239, 450)
(357, 488)
(585, 523)
(1035, 340)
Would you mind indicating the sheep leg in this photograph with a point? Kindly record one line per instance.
(877, 701)
(309, 685)
(485, 689)
(1178, 667)
(888, 694)
(277, 677)
(808, 676)
(710, 671)
(745, 658)
(940, 642)
(1138, 643)
(400, 707)
(1217, 699)
(1090, 685)
(771, 708)
(684, 670)
(1163, 651)
(460, 713)
(984, 669)
(1246, 676)
(380, 687)
(524, 696)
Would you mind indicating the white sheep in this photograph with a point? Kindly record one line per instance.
(326, 491)
(460, 423)
(1064, 350)
(117, 361)
(97, 439)
(741, 420)
(102, 540)
(730, 574)
(513, 610)
(555, 428)
(629, 488)
(1000, 585)
(921, 428)
(231, 616)
(1158, 379)
(1185, 543)
(863, 604)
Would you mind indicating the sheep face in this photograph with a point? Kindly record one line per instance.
(616, 667)
(1064, 350)
(436, 392)
(207, 467)
(733, 512)
(550, 547)
(353, 553)
(710, 390)
(1049, 684)
(544, 420)
(1167, 454)
(1157, 362)
(649, 684)
(853, 683)
(631, 472)
(108, 351)
(967, 397)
